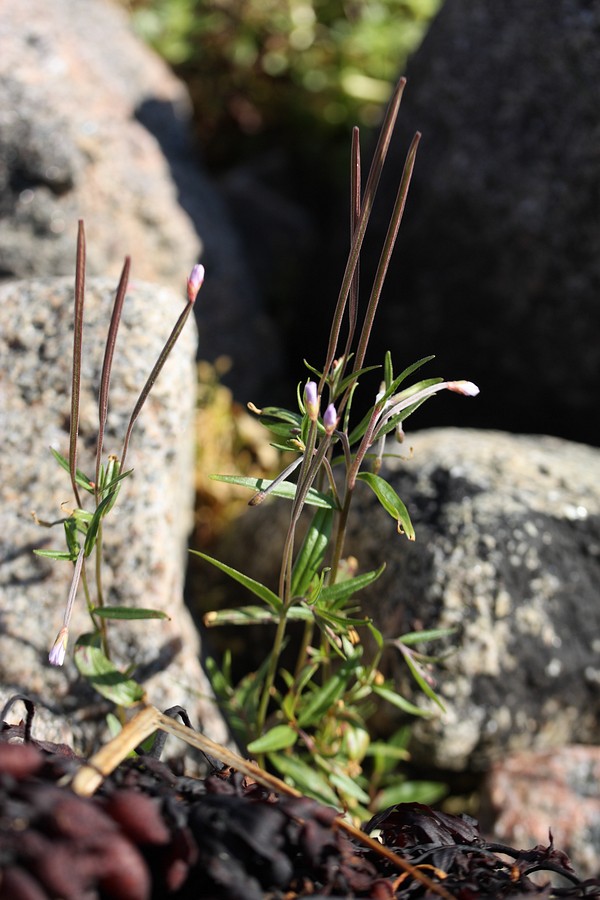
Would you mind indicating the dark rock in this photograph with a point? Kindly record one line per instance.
(497, 268)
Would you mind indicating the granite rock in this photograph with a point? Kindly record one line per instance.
(528, 795)
(507, 553)
(95, 126)
(145, 538)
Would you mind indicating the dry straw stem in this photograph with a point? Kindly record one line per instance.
(89, 778)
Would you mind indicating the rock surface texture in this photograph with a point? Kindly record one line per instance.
(145, 538)
(497, 268)
(507, 552)
(95, 126)
(528, 794)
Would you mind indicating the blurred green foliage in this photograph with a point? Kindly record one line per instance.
(300, 71)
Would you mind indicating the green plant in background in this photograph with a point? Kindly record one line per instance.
(301, 70)
(83, 528)
(310, 720)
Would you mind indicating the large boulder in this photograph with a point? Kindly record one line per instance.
(95, 126)
(497, 268)
(528, 796)
(145, 536)
(507, 554)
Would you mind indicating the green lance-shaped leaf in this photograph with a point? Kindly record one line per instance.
(426, 792)
(421, 637)
(348, 787)
(269, 597)
(312, 553)
(278, 738)
(55, 554)
(80, 477)
(253, 615)
(335, 595)
(387, 693)
(417, 674)
(324, 697)
(103, 675)
(127, 612)
(390, 501)
(305, 778)
(94, 525)
(287, 489)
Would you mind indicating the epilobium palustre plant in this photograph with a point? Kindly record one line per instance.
(309, 721)
(83, 527)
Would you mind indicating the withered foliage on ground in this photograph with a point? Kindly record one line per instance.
(152, 833)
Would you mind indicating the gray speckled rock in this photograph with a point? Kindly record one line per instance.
(507, 551)
(94, 125)
(145, 537)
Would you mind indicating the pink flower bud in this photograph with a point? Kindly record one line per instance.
(463, 387)
(194, 282)
(311, 400)
(330, 419)
(56, 656)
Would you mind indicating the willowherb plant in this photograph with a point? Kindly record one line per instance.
(83, 527)
(310, 721)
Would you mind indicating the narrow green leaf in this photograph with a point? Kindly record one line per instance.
(376, 635)
(287, 489)
(388, 369)
(423, 684)
(390, 501)
(269, 597)
(396, 382)
(421, 637)
(349, 787)
(334, 595)
(324, 697)
(312, 553)
(253, 615)
(127, 612)
(353, 377)
(339, 623)
(395, 699)
(80, 477)
(94, 525)
(56, 554)
(387, 751)
(305, 778)
(278, 738)
(103, 675)
(357, 432)
(426, 792)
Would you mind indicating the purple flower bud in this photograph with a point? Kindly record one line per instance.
(330, 419)
(56, 657)
(311, 400)
(194, 282)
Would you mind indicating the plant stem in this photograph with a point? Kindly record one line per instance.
(77, 345)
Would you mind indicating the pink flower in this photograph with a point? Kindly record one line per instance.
(194, 282)
(59, 648)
